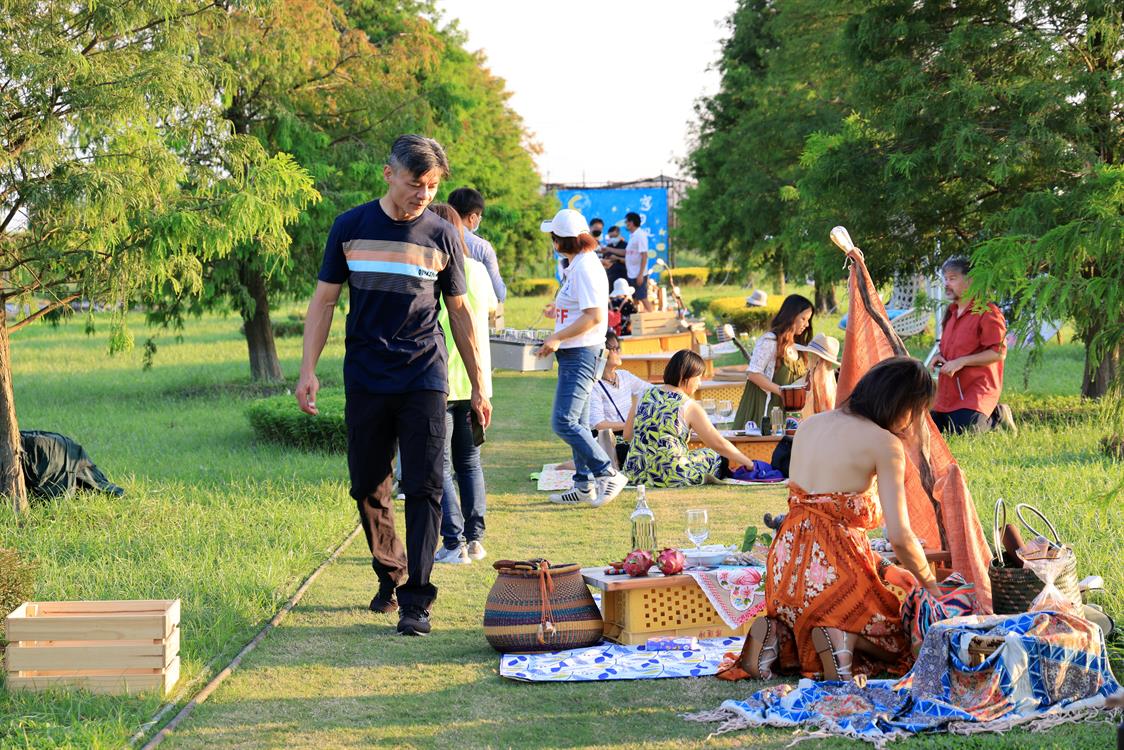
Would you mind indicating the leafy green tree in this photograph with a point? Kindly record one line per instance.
(117, 172)
(991, 128)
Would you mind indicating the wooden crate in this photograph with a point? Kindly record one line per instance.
(102, 646)
(654, 343)
(636, 609)
(657, 321)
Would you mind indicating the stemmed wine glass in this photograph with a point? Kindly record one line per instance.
(726, 410)
(698, 529)
(709, 408)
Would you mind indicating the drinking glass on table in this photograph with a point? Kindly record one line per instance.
(698, 529)
(709, 407)
(726, 411)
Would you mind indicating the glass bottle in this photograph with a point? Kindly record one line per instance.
(643, 523)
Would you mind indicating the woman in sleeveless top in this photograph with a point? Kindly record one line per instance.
(660, 423)
(830, 610)
(775, 360)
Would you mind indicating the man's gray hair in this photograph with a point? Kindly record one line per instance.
(418, 155)
(959, 263)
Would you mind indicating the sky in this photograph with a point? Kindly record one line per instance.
(606, 88)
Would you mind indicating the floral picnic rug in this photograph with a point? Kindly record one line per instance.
(1046, 668)
(610, 661)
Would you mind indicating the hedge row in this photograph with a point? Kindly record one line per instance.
(1033, 408)
(690, 275)
(533, 287)
(733, 310)
(278, 419)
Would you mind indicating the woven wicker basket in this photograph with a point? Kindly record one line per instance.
(535, 606)
(1013, 589)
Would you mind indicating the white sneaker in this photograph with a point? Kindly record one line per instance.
(575, 496)
(476, 550)
(609, 487)
(456, 556)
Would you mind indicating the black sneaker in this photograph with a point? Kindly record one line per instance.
(413, 621)
(384, 602)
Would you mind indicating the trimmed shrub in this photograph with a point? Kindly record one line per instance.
(17, 583)
(1038, 409)
(278, 419)
(690, 275)
(700, 305)
(533, 287)
(733, 310)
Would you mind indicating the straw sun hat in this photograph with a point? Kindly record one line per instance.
(823, 346)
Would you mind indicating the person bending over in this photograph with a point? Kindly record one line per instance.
(660, 423)
(825, 588)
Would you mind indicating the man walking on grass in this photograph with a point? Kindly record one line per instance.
(399, 260)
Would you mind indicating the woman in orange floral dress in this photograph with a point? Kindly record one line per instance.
(830, 611)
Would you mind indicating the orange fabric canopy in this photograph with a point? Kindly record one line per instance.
(941, 511)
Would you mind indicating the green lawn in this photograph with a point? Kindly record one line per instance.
(231, 526)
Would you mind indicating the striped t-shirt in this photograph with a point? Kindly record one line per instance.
(396, 272)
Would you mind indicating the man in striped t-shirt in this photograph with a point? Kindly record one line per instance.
(398, 260)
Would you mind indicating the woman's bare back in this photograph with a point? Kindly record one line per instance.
(838, 452)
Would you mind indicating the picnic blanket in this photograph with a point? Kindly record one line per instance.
(553, 479)
(737, 594)
(941, 510)
(610, 661)
(1048, 668)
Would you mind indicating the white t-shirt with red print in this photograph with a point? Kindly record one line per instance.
(584, 285)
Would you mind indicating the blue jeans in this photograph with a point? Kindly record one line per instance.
(577, 373)
(462, 519)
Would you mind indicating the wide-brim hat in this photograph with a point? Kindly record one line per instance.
(621, 288)
(758, 299)
(823, 346)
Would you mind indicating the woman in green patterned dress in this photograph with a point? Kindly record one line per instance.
(660, 423)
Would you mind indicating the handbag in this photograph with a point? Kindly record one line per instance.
(535, 606)
(1013, 589)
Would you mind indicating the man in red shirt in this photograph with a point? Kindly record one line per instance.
(970, 363)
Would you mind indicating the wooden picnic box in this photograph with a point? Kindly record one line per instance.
(657, 321)
(102, 646)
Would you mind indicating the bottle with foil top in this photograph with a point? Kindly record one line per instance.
(643, 523)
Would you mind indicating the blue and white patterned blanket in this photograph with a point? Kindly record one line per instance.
(609, 661)
(1045, 666)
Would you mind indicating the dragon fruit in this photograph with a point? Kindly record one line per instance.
(638, 562)
(670, 561)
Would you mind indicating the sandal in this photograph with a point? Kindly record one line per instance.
(763, 649)
(823, 643)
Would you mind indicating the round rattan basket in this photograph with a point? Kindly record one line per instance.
(535, 606)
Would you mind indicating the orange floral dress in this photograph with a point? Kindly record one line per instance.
(821, 572)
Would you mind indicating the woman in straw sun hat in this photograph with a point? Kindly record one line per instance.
(823, 360)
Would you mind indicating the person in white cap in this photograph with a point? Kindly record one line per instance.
(620, 302)
(580, 322)
(823, 359)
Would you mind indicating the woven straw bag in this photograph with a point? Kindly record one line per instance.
(1013, 589)
(535, 606)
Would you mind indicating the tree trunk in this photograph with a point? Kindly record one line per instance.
(780, 278)
(825, 297)
(265, 367)
(11, 470)
(1100, 376)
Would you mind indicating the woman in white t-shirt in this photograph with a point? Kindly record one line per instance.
(580, 322)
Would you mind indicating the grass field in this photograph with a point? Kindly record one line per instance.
(231, 526)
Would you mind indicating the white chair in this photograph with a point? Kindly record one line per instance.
(913, 320)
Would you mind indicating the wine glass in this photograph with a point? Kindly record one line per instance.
(726, 410)
(708, 406)
(698, 529)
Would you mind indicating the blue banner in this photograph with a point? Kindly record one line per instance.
(611, 205)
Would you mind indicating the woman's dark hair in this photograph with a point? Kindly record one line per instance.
(890, 390)
(575, 245)
(612, 338)
(682, 366)
(781, 325)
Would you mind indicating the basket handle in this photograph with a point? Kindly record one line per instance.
(1027, 506)
(1000, 507)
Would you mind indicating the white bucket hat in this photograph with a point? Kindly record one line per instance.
(823, 346)
(621, 288)
(566, 223)
(757, 299)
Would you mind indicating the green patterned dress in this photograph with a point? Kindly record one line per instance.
(658, 455)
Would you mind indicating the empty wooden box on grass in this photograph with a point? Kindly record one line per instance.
(654, 343)
(636, 609)
(657, 321)
(104, 647)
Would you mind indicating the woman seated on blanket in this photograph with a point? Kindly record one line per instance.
(660, 423)
(829, 609)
